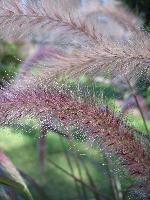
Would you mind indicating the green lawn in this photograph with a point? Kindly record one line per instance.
(137, 122)
(22, 149)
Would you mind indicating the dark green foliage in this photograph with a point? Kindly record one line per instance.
(87, 88)
(9, 60)
(142, 7)
(142, 84)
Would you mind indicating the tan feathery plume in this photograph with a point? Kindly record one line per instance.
(102, 55)
(17, 19)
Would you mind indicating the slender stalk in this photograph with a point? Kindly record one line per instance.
(92, 189)
(91, 182)
(80, 174)
(71, 167)
(138, 105)
(78, 166)
(41, 148)
(96, 194)
(116, 191)
(71, 175)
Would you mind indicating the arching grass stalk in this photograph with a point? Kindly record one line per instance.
(137, 103)
(116, 137)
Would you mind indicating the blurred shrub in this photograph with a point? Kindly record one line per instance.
(9, 60)
(142, 84)
(87, 87)
(143, 87)
(142, 7)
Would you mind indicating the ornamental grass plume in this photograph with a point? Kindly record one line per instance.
(58, 105)
(37, 96)
(97, 52)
